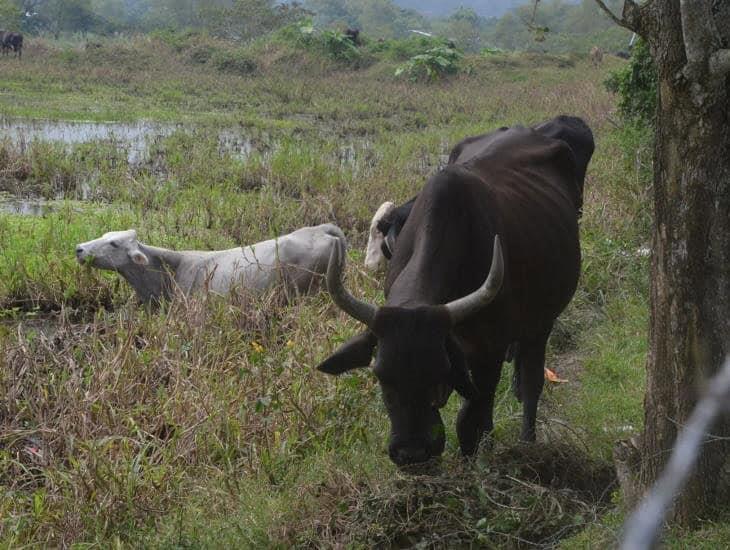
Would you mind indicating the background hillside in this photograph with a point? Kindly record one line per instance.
(438, 8)
(563, 25)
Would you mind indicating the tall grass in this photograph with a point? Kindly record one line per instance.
(203, 422)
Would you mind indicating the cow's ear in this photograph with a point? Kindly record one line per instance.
(353, 354)
(139, 257)
(389, 241)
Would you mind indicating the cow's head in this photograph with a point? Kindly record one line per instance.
(374, 256)
(417, 363)
(115, 250)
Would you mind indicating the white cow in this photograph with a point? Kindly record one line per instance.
(374, 258)
(299, 259)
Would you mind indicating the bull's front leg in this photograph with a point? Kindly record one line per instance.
(475, 417)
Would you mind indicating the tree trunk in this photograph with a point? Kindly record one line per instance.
(690, 286)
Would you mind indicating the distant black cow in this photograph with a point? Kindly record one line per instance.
(353, 35)
(572, 130)
(622, 54)
(12, 41)
(456, 299)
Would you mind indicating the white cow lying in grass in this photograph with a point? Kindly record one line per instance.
(299, 259)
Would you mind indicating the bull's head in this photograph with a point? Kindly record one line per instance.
(418, 363)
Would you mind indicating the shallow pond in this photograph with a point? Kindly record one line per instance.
(10, 204)
(134, 138)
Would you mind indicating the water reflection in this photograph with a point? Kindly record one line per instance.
(134, 138)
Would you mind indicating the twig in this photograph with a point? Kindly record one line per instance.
(620, 22)
(644, 525)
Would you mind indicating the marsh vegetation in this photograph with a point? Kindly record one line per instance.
(202, 423)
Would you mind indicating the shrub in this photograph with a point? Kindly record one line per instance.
(235, 62)
(339, 47)
(201, 54)
(177, 40)
(432, 64)
(636, 84)
(328, 43)
(402, 49)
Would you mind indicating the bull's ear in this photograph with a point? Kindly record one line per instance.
(353, 354)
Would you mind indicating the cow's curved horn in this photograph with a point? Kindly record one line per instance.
(465, 307)
(362, 311)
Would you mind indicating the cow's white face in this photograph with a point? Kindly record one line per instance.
(374, 258)
(114, 250)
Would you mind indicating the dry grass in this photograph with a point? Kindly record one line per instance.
(204, 423)
(515, 497)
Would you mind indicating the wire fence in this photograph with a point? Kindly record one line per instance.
(642, 529)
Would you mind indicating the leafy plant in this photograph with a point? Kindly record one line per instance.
(432, 64)
(330, 43)
(339, 46)
(636, 85)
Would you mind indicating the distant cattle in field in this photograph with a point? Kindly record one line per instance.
(596, 56)
(12, 41)
(353, 35)
(298, 259)
(622, 54)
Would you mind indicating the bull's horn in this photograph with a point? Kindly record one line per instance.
(363, 312)
(465, 307)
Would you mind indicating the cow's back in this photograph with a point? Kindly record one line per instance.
(531, 177)
(520, 185)
(573, 131)
(298, 258)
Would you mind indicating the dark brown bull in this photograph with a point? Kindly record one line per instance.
(455, 302)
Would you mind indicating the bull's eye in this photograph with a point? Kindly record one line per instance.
(114, 244)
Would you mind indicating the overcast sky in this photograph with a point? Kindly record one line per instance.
(442, 7)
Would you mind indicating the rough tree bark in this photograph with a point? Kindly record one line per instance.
(690, 273)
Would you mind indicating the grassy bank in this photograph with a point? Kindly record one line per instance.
(289, 88)
(203, 423)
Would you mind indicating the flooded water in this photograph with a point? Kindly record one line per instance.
(25, 207)
(134, 138)
(10, 204)
(142, 144)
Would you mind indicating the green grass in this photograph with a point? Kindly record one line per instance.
(204, 423)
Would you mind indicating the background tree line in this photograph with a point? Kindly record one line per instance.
(557, 26)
